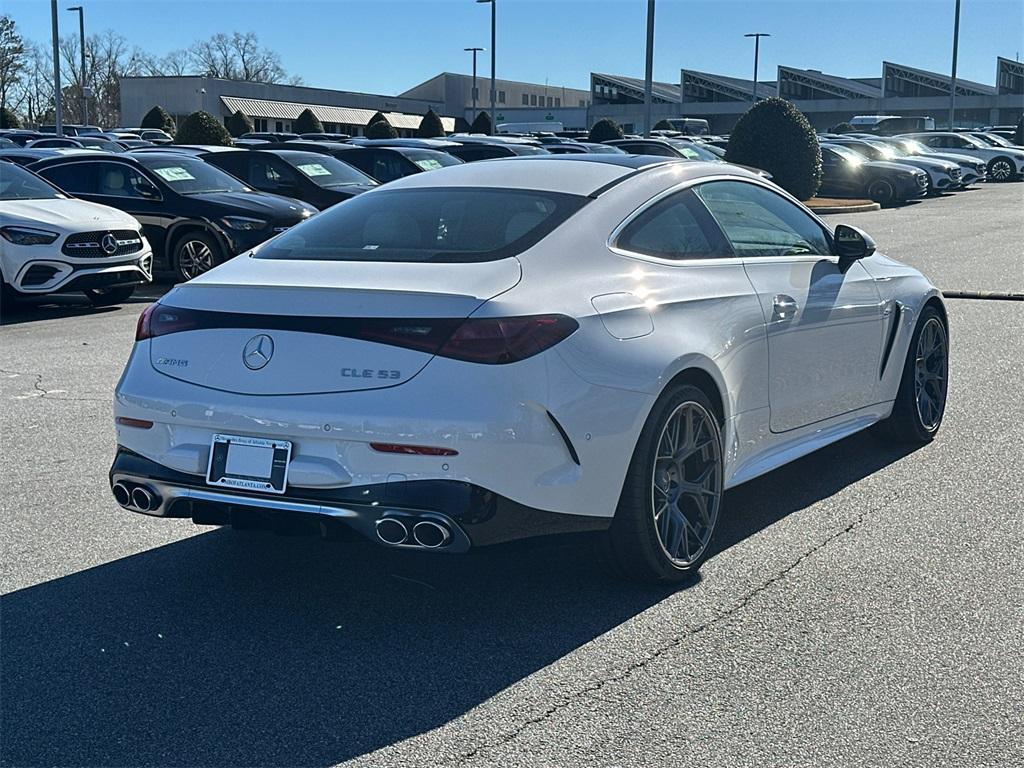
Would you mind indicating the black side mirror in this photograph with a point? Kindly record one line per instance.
(147, 190)
(851, 244)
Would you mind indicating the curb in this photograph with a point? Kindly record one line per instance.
(858, 208)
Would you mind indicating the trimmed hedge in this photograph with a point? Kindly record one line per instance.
(381, 129)
(843, 127)
(307, 122)
(159, 119)
(775, 136)
(605, 129)
(431, 126)
(663, 125)
(238, 123)
(482, 124)
(203, 128)
(8, 119)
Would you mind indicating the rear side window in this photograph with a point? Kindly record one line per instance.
(444, 224)
(76, 178)
(675, 228)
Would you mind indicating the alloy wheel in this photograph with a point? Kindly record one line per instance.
(1001, 170)
(883, 192)
(686, 483)
(930, 372)
(194, 258)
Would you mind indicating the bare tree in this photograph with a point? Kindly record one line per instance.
(238, 56)
(32, 93)
(12, 59)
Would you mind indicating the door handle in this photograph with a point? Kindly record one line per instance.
(784, 307)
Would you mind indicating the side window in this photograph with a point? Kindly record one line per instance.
(387, 167)
(676, 228)
(758, 222)
(117, 180)
(75, 178)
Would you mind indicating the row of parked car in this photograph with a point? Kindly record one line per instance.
(192, 207)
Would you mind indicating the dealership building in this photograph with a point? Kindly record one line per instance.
(826, 99)
(273, 107)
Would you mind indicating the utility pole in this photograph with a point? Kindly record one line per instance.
(82, 83)
(494, 92)
(757, 51)
(649, 68)
(952, 77)
(58, 119)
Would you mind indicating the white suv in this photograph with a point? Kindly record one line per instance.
(52, 243)
(1004, 163)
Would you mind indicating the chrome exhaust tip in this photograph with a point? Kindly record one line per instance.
(392, 531)
(121, 494)
(142, 499)
(430, 534)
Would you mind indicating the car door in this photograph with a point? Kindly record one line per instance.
(824, 324)
(838, 176)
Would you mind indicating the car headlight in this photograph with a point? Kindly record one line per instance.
(28, 235)
(307, 212)
(243, 223)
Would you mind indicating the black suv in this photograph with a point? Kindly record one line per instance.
(193, 214)
(318, 179)
(382, 163)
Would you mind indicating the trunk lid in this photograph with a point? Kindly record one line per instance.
(269, 327)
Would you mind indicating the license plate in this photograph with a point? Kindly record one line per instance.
(249, 463)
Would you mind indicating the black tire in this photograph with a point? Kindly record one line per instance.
(1001, 169)
(882, 192)
(106, 297)
(906, 424)
(196, 252)
(633, 543)
(8, 297)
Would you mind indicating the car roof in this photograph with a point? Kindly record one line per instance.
(584, 174)
(43, 153)
(413, 143)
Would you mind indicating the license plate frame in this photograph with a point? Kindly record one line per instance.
(245, 470)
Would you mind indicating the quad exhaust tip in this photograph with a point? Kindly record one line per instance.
(142, 499)
(431, 535)
(392, 531)
(122, 495)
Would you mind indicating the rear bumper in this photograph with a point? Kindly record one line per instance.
(473, 516)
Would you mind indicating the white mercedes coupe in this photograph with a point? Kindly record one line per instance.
(523, 346)
(53, 243)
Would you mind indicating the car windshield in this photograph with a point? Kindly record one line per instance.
(326, 171)
(870, 151)
(692, 151)
(190, 176)
(18, 184)
(443, 224)
(429, 160)
(915, 147)
(847, 154)
(994, 140)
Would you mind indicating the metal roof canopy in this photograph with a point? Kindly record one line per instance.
(934, 80)
(840, 87)
(290, 110)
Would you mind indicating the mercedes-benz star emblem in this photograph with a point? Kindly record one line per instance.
(109, 244)
(257, 352)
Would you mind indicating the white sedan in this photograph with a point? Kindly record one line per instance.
(53, 243)
(515, 347)
(1003, 163)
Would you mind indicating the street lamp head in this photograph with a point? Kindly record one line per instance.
(474, 49)
(76, 8)
(757, 34)
(485, 1)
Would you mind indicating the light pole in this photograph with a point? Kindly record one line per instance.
(494, 93)
(475, 52)
(952, 77)
(58, 118)
(757, 51)
(649, 68)
(81, 38)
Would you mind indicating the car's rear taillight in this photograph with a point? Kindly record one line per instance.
(500, 340)
(492, 341)
(160, 320)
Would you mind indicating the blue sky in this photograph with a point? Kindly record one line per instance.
(386, 46)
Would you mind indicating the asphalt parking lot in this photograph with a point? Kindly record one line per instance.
(865, 606)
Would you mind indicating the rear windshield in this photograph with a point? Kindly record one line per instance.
(430, 160)
(450, 224)
(191, 176)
